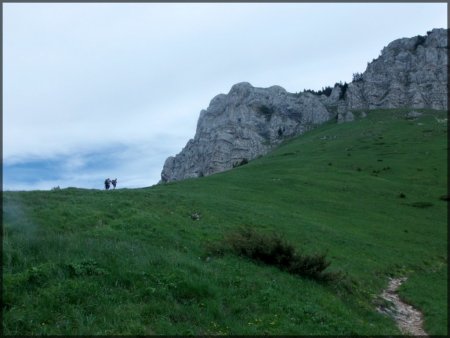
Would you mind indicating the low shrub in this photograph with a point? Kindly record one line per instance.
(357, 77)
(343, 89)
(420, 40)
(309, 265)
(87, 267)
(324, 91)
(272, 249)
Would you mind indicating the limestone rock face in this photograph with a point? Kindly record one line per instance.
(245, 123)
(408, 73)
(249, 121)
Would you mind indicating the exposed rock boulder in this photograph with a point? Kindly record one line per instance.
(345, 117)
(413, 115)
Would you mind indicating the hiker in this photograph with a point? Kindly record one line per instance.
(107, 183)
(114, 182)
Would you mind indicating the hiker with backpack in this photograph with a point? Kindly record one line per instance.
(108, 183)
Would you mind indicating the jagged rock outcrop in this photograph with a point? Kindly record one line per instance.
(410, 72)
(249, 121)
(242, 125)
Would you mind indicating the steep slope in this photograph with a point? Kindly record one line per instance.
(136, 262)
(248, 121)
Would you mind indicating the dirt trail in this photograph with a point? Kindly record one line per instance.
(408, 319)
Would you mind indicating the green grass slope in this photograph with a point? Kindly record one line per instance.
(80, 262)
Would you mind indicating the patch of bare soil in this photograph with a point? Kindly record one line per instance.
(408, 319)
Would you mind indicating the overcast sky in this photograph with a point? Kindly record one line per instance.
(111, 90)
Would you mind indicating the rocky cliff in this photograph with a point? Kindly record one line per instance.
(408, 73)
(249, 121)
(239, 126)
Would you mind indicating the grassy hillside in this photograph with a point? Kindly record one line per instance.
(367, 193)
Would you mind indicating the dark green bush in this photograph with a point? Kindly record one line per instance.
(272, 249)
(324, 91)
(357, 77)
(420, 40)
(309, 265)
(87, 267)
(343, 90)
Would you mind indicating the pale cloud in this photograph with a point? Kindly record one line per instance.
(129, 80)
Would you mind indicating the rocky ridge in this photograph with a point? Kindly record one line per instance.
(249, 121)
